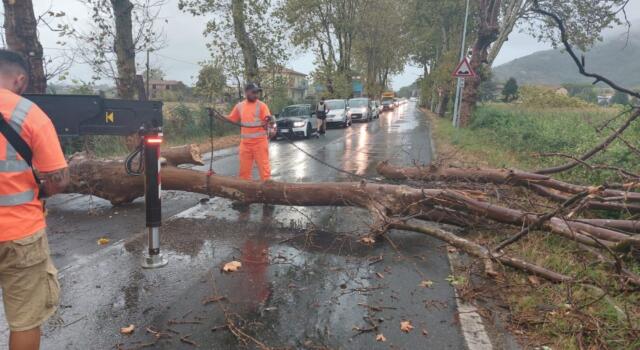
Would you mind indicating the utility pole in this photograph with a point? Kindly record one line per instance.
(460, 84)
(147, 89)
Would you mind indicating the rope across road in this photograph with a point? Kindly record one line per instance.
(213, 113)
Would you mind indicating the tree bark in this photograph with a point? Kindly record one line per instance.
(125, 49)
(186, 154)
(543, 185)
(513, 12)
(248, 47)
(488, 31)
(22, 36)
(107, 179)
(390, 207)
(443, 103)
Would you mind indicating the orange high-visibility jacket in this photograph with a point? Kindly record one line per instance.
(252, 116)
(20, 210)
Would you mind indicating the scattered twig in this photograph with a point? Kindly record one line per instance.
(186, 340)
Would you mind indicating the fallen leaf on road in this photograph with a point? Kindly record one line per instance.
(534, 280)
(425, 332)
(451, 249)
(426, 283)
(103, 241)
(406, 326)
(127, 330)
(232, 266)
(367, 240)
(380, 337)
(380, 276)
(455, 280)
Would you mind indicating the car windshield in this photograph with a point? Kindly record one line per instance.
(335, 104)
(295, 111)
(358, 103)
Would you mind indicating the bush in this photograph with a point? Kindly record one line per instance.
(540, 97)
(185, 123)
(529, 132)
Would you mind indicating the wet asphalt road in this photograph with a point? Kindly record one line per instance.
(306, 281)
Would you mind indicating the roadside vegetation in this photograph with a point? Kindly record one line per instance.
(519, 135)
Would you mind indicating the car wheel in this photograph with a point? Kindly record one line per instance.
(309, 131)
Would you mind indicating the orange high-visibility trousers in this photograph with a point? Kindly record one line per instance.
(254, 150)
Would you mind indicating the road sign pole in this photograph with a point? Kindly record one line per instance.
(458, 100)
(456, 103)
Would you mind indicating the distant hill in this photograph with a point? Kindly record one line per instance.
(614, 57)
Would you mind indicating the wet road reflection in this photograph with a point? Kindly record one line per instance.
(306, 280)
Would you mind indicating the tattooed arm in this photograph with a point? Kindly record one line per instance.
(54, 182)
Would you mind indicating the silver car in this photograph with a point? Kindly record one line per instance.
(338, 113)
(360, 109)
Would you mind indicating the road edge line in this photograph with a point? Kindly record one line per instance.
(471, 323)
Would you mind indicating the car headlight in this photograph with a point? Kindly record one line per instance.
(299, 124)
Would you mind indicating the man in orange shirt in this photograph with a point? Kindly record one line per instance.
(30, 288)
(253, 114)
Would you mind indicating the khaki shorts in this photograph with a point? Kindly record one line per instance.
(29, 281)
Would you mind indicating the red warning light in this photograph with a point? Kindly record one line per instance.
(154, 140)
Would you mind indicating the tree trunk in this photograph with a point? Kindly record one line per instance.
(488, 31)
(248, 47)
(22, 36)
(186, 154)
(512, 14)
(107, 179)
(125, 49)
(390, 206)
(543, 185)
(443, 103)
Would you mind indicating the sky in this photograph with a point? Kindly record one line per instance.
(186, 46)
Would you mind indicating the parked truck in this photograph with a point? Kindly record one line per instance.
(387, 100)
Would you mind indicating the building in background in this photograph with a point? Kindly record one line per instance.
(161, 89)
(295, 82)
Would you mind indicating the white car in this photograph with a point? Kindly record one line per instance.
(338, 113)
(359, 109)
(297, 121)
(375, 109)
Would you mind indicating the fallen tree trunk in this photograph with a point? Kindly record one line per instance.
(481, 252)
(559, 191)
(390, 205)
(107, 179)
(186, 154)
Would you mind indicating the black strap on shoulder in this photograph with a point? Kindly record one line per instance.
(20, 145)
(14, 139)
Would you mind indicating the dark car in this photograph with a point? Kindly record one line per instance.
(296, 121)
(387, 104)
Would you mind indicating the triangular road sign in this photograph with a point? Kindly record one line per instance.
(463, 70)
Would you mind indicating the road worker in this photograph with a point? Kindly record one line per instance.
(254, 115)
(28, 279)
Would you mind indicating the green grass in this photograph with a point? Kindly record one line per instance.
(515, 136)
(555, 315)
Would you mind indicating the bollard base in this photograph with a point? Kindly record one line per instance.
(154, 261)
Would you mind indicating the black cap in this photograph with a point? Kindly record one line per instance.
(252, 87)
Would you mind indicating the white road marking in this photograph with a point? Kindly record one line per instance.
(471, 323)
